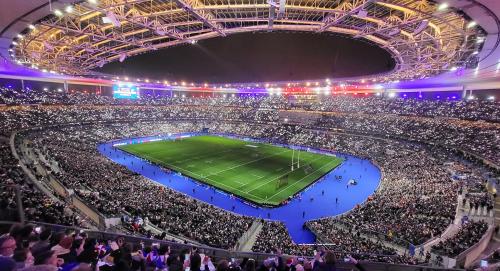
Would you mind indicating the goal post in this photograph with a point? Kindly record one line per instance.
(295, 160)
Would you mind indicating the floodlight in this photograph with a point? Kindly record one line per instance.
(58, 13)
(442, 6)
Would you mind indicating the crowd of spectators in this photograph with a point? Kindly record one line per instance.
(469, 234)
(37, 206)
(34, 248)
(415, 202)
(467, 109)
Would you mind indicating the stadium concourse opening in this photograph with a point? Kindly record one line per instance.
(330, 195)
(263, 174)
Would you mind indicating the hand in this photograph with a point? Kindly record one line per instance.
(352, 260)
(317, 257)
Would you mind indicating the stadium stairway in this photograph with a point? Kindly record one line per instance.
(246, 242)
(494, 243)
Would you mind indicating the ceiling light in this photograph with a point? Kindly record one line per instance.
(58, 13)
(480, 40)
(31, 27)
(453, 69)
(106, 20)
(111, 18)
(471, 24)
(19, 36)
(443, 6)
(14, 43)
(69, 9)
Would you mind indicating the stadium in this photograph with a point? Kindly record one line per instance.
(268, 135)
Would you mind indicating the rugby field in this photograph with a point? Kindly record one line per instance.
(257, 172)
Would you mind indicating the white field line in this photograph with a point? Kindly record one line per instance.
(201, 156)
(259, 186)
(238, 160)
(249, 162)
(187, 159)
(196, 174)
(301, 179)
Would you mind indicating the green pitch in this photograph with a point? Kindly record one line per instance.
(260, 173)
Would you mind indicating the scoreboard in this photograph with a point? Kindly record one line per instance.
(125, 91)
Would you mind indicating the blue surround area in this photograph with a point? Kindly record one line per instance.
(309, 204)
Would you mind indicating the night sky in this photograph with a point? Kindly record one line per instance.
(258, 57)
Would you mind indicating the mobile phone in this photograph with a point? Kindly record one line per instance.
(155, 244)
(38, 230)
(484, 263)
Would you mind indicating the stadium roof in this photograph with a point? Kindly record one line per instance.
(431, 41)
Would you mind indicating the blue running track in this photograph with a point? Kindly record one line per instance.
(311, 204)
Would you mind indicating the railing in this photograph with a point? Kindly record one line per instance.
(247, 235)
(470, 255)
(219, 254)
(404, 244)
(330, 129)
